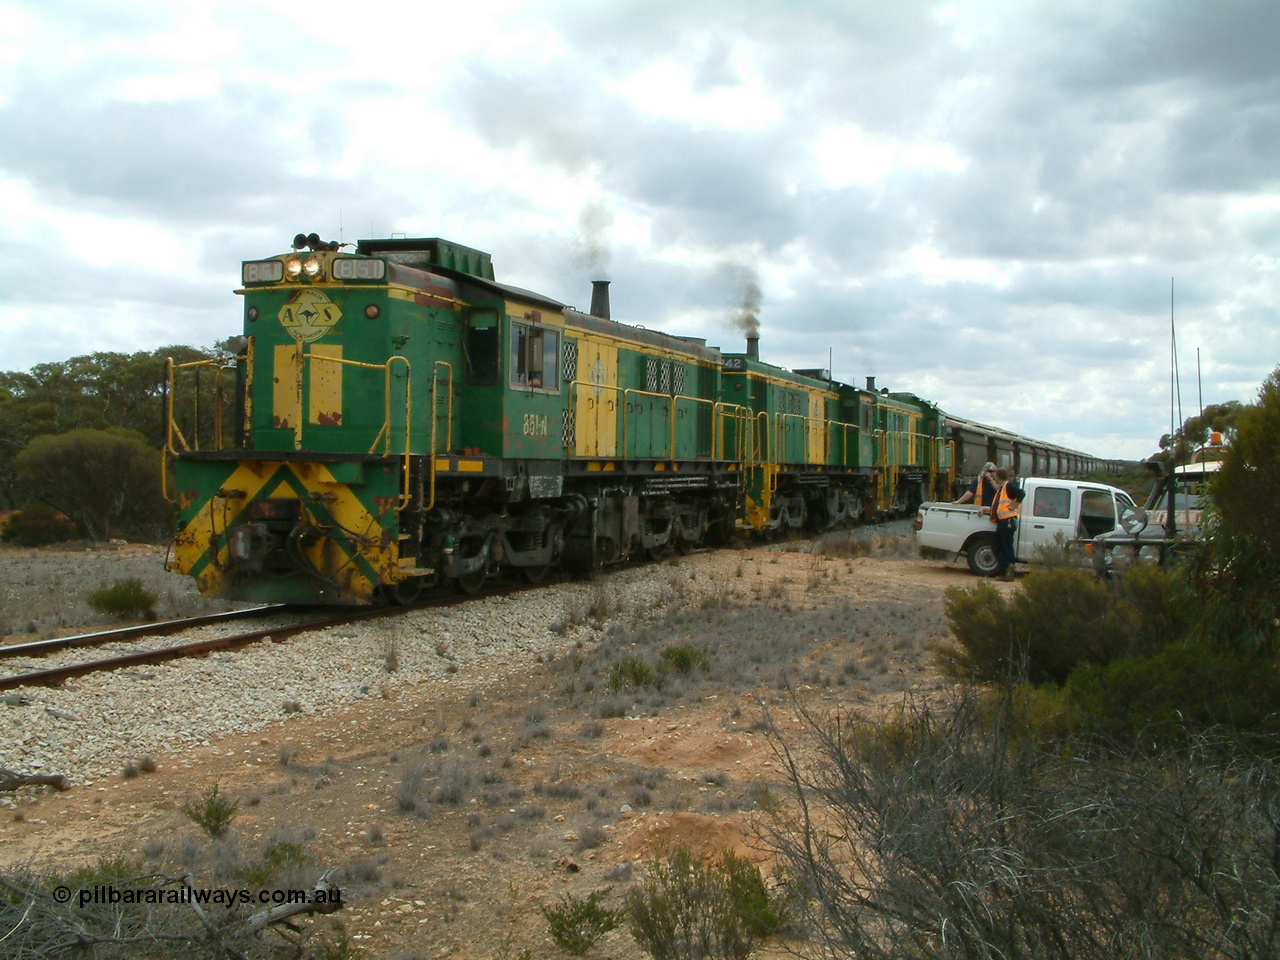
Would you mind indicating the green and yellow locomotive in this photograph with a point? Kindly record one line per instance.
(402, 418)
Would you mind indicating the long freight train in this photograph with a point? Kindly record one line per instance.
(395, 418)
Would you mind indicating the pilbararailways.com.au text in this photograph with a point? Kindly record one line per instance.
(225, 896)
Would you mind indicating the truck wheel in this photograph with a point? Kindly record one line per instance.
(982, 555)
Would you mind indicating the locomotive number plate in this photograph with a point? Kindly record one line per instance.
(535, 425)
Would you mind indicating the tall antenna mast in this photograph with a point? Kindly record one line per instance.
(1175, 390)
(1199, 382)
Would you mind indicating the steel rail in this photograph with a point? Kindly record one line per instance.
(202, 648)
(39, 648)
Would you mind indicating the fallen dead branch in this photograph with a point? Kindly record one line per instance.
(12, 780)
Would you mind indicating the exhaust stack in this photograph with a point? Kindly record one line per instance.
(753, 348)
(871, 384)
(600, 299)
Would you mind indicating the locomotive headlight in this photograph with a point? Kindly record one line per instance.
(311, 268)
(293, 268)
(371, 311)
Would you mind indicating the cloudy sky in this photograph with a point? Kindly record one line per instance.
(983, 203)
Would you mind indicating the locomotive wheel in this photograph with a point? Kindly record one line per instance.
(536, 573)
(408, 591)
(982, 555)
(470, 583)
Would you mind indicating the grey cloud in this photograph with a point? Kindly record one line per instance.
(177, 161)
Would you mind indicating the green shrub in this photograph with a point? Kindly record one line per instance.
(762, 913)
(1184, 689)
(687, 909)
(275, 856)
(1237, 581)
(123, 599)
(631, 672)
(107, 481)
(212, 812)
(577, 924)
(37, 526)
(683, 658)
(1061, 617)
(107, 870)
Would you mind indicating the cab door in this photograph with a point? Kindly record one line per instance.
(1049, 512)
(596, 399)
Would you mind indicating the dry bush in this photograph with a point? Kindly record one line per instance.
(687, 909)
(940, 836)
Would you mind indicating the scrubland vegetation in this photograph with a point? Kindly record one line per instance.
(1102, 779)
(1105, 781)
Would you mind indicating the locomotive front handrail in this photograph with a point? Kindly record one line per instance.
(173, 428)
(171, 424)
(384, 434)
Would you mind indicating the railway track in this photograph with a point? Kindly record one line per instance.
(54, 676)
(197, 648)
(40, 648)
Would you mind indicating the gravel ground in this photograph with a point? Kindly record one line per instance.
(44, 592)
(93, 725)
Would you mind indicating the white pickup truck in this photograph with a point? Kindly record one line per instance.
(1054, 512)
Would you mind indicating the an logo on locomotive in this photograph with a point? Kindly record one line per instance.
(598, 376)
(309, 315)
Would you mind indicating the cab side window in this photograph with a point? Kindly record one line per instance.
(1054, 502)
(480, 348)
(535, 356)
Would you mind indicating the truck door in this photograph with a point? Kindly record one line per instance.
(1097, 513)
(1046, 512)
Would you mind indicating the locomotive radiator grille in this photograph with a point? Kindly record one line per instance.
(570, 360)
(570, 428)
(570, 433)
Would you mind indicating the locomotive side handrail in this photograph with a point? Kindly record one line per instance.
(572, 405)
(780, 426)
(695, 401)
(669, 398)
(844, 429)
(736, 413)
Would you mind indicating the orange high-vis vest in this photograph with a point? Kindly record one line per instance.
(1006, 508)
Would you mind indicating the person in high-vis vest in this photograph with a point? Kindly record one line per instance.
(1004, 514)
(983, 490)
